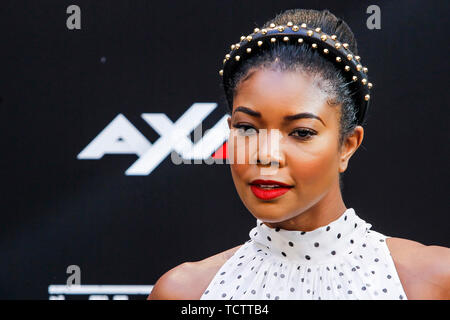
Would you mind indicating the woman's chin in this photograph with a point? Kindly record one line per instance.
(270, 216)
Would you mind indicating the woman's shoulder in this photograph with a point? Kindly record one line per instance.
(424, 270)
(189, 280)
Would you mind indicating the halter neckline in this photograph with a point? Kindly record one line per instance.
(318, 246)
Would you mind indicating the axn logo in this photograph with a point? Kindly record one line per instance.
(121, 137)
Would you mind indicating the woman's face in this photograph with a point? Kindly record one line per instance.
(304, 155)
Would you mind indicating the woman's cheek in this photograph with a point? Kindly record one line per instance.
(242, 150)
(237, 158)
(311, 164)
(238, 171)
(237, 146)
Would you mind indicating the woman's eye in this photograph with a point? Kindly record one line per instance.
(303, 134)
(244, 130)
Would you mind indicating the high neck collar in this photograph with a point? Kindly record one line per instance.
(314, 247)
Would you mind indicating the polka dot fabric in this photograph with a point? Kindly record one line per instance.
(342, 260)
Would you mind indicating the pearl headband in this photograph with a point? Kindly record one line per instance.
(333, 50)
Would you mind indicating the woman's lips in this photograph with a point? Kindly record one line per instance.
(268, 189)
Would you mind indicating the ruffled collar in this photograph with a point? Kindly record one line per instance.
(312, 247)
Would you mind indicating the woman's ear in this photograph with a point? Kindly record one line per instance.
(229, 122)
(349, 147)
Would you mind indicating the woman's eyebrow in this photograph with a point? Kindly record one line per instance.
(301, 115)
(248, 111)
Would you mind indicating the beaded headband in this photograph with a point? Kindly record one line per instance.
(333, 50)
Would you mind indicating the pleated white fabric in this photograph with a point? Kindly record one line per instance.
(342, 260)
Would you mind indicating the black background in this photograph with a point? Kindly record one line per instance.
(163, 56)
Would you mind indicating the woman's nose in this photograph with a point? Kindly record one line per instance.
(269, 148)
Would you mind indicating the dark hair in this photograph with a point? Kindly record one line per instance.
(289, 57)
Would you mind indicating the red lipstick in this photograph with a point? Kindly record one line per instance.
(268, 189)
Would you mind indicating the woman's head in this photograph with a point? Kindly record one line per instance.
(313, 149)
(302, 57)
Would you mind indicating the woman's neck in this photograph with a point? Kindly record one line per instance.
(328, 209)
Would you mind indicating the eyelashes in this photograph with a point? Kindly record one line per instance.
(304, 134)
(244, 130)
(301, 134)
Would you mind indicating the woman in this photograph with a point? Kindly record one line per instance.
(300, 76)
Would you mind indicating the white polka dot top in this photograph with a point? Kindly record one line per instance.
(342, 260)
